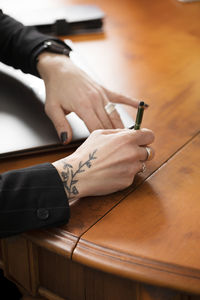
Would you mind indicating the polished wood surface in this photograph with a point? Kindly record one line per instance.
(144, 241)
(158, 239)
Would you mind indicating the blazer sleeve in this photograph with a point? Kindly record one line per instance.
(32, 198)
(18, 44)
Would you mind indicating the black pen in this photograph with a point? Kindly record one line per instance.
(139, 116)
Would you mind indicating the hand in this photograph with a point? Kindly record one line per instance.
(70, 89)
(105, 163)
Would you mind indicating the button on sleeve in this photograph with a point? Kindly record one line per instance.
(42, 213)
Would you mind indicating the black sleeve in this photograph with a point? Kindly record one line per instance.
(18, 43)
(32, 198)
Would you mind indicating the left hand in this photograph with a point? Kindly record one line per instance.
(69, 89)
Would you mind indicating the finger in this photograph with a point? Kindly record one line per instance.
(90, 119)
(143, 137)
(63, 128)
(144, 155)
(104, 117)
(100, 109)
(118, 98)
(116, 120)
(113, 117)
(138, 167)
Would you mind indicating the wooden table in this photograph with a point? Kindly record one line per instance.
(144, 242)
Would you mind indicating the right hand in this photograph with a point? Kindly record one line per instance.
(105, 163)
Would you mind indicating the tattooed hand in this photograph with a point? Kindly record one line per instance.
(105, 163)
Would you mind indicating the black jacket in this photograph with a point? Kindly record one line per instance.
(18, 44)
(34, 197)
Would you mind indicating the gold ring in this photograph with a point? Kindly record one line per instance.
(109, 107)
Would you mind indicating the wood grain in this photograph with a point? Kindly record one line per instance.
(153, 235)
(152, 47)
(150, 231)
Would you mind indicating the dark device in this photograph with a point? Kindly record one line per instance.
(64, 20)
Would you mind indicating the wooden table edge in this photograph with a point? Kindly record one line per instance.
(137, 268)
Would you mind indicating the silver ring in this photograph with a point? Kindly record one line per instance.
(143, 168)
(149, 153)
(109, 107)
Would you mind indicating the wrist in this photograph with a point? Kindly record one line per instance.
(49, 46)
(73, 182)
(74, 172)
(49, 63)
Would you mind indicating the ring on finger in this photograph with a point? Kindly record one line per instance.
(149, 153)
(143, 168)
(109, 108)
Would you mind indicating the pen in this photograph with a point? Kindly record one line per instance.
(139, 116)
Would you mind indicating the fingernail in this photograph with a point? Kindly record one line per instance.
(63, 137)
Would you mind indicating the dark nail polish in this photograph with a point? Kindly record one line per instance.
(63, 137)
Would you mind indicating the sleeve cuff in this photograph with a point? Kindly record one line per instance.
(32, 198)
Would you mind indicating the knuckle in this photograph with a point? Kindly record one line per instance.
(126, 146)
(94, 96)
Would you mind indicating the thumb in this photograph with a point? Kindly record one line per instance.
(62, 126)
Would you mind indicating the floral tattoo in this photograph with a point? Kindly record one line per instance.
(69, 175)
